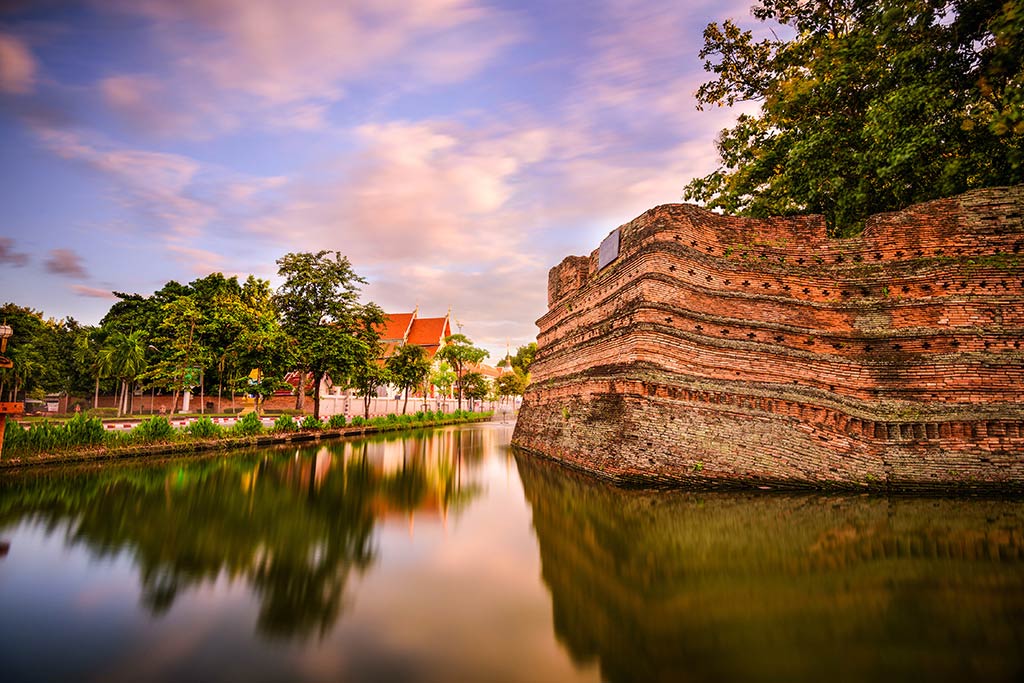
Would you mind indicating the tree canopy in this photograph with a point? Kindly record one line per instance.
(458, 350)
(865, 107)
(331, 332)
(409, 367)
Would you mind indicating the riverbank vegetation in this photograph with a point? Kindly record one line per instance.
(82, 434)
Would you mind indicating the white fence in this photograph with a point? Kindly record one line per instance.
(351, 406)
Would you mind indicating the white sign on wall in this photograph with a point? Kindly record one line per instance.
(609, 249)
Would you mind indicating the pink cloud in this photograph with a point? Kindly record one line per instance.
(9, 256)
(93, 292)
(287, 62)
(65, 262)
(17, 66)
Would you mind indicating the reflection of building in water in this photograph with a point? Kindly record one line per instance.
(671, 586)
(429, 474)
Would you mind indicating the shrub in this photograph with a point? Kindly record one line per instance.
(248, 425)
(157, 428)
(420, 416)
(358, 421)
(14, 437)
(84, 431)
(311, 422)
(285, 423)
(204, 428)
(336, 421)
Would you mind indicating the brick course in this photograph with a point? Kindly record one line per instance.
(725, 351)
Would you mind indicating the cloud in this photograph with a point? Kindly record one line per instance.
(177, 197)
(10, 257)
(286, 63)
(92, 292)
(17, 66)
(412, 189)
(65, 262)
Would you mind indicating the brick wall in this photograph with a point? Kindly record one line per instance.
(723, 351)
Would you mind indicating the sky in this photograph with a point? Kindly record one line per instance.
(453, 150)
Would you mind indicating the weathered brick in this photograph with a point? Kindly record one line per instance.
(718, 349)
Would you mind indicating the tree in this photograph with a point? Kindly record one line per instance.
(124, 357)
(443, 378)
(181, 346)
(474, 386)
(368, 378)
(868, 107)
(512, 383)
(524, 357)
(409, 367)
(321, 314)
(459, 351)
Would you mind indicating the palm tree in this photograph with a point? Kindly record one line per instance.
(86, 355)
(124, 357)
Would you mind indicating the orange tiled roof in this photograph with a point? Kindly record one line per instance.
(396, 326)
(487, 370)
(429, 332)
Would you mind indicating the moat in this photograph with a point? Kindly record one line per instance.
(445, 555)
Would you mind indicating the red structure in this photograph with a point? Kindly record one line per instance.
(714, 350)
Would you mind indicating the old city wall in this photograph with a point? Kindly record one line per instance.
(727, 351)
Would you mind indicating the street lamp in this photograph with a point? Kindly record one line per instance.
(12, 407)
(6, 332)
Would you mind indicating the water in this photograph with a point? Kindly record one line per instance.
(445, 556)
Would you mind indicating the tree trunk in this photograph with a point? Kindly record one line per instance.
(300, 391)
(366, 406)
(96, 395)
(174, 402)
(316, 392)
(406, 403)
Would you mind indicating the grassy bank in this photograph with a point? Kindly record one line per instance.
(85, 438)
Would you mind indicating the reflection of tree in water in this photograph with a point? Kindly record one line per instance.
(294, 525)
(708, 586)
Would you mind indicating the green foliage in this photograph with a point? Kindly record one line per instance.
(311, 422)
(285, 423)
(47, 437)
(204, 428)
(474, 385)
(443, 378)
(247, 425)
(513, 383)
(330, 332)
(156, 428)
(458, 350)
(409, 368)
(85, 431)
(336, 421)
(524, 357)
(868, 107)
(358, 421)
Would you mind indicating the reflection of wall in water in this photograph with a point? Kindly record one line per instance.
(684, 586)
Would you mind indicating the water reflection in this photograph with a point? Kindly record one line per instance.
(295, 527)
(658, 586)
